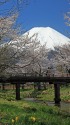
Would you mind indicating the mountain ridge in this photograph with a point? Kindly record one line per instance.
(48, 36)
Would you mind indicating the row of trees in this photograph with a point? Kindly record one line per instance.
(21, 54)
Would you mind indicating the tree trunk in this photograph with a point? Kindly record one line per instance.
(39, 85)
(17, 91)
(44, 85)
(57, 93)
(23, 86)
(3, 86)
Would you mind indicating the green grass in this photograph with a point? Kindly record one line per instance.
(32, 113)
(24, 110)
(46, 95)
(65, 93)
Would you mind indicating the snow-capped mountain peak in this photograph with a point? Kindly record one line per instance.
(48, 35)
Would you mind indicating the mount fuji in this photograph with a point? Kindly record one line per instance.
(21, 51)
(48, 36)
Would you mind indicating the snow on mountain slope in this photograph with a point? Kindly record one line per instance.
(47, 35)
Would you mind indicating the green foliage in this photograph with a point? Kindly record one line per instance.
(22, 112)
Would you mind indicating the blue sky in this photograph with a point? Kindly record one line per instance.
(43, 13)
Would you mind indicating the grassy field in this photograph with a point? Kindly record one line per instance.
(22, 112)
